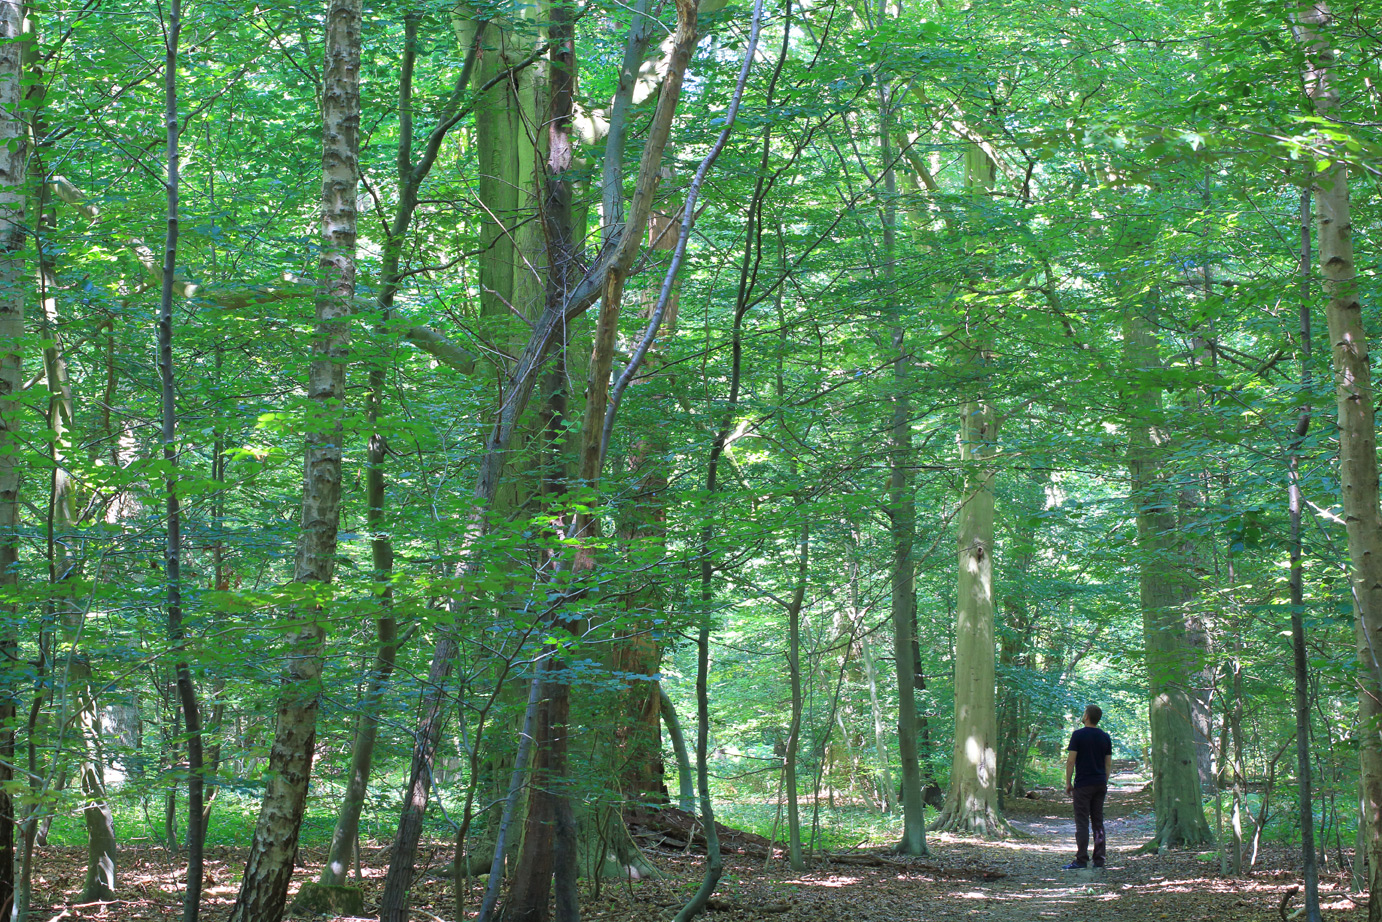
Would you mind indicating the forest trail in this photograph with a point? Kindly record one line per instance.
(958, 881)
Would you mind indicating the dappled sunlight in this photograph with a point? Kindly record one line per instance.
(829, 880)
(1014, 844)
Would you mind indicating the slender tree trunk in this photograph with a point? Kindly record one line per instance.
(1297, 581)
(410, 176)
(77, 691)
(1358, 477)
(264, 888)
(714, 865)
(686, 781)
(172, 552)
(1235, 727)
(797, 862)
(888, 797)
(411, 173)
(1013, 718)
(13, 154)
(901, 511)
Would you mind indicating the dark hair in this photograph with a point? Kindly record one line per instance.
(1092, 714)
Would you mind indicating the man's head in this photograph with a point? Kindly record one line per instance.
(1092, 714)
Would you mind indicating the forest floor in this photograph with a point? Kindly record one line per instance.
(1015, 880)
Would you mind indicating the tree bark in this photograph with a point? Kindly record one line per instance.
(1300, 663)
(789, 768)
(13, 156)
(1353, 389)
(172, 552)
(971, 802)
(1169, 655)
(549, 848)
(100, 822)
(686, 781)
(901, 512)
(603, 280)
(264, 888)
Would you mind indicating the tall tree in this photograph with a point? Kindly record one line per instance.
(264, 888)
(1358, 479)
(1170, 658)
(971, 802)
(1300, 662)
(13, 242)
(901, 505)
(172, 549)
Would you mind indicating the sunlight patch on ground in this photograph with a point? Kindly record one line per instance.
(833, 880)
(1015, 845)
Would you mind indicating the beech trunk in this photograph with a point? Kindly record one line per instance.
(13, 154)
(1358, 479)
(1164, 590)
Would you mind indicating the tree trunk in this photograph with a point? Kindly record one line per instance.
(971, 802)
(100, 823)
(883, 762)
(264, 888)
(1358, 478)
(13, 154)
(686, 781)
(902, 513)
(1297, 587)
(605, 279)
(644, 534)
(172, 553)
(789, 768)
(1014, 719)
(1169, 656)
(548, 854)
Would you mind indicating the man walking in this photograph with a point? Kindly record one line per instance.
(1089, 759)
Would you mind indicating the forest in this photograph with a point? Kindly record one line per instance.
(657, 459)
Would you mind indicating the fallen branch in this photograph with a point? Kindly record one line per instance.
(680, 829)
(1286, 901)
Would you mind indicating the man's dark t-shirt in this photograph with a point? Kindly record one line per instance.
(1090, 745)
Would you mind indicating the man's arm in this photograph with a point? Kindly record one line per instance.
(1108, 765)
(1069, 771)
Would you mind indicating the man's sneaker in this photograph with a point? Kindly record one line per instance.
(1075, 866)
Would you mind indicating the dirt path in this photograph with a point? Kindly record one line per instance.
(949, 886)
(959, 882)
